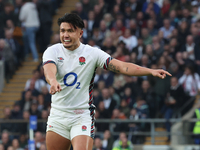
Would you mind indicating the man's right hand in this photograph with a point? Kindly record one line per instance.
(55, 87)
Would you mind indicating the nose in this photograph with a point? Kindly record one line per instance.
(66, 34)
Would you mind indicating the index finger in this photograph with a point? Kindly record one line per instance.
(167, 73)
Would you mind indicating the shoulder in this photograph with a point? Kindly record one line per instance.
(90, 49)
(54, 47)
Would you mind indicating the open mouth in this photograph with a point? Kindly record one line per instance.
(67, 41)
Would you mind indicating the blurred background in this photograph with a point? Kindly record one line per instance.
(137, 113)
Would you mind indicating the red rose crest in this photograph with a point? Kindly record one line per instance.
(84, 128)
(82, 60)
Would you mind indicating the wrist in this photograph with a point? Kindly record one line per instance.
(52, 81)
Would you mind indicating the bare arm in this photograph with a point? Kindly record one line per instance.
(134, 70)
(50, 75)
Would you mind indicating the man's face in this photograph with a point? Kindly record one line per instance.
(174, 81)
(69, 36)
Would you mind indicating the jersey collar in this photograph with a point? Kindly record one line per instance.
(74, 51)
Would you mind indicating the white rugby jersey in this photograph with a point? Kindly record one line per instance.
(75, 73)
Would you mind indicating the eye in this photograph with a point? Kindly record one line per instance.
(62, 31)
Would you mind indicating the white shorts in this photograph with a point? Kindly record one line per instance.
(71, 124)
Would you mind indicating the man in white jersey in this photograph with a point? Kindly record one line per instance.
(69, 68)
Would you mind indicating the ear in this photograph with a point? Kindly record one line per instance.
(81, 33)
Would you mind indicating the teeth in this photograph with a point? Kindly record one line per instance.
(67, 40)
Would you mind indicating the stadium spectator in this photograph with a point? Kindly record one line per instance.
(8, 14)
(133, 127)
(151, 5)
(35, 81)
(123, 145)
(148, 95)
(124, 108)
(107, 77)
(174, 20)
(79, 10)
(25, 102)
(190, 81)
(151, 27)
(109, 103)
(165, 8)
(118, 126)
(24, 127)
(5, 139)
(17, 6)
(8, 57)
(129, 40)
(141, 107)
(108, 46)
(45, 17)
(179, 5)
(147, 38)
(98, 15)
(129, 98)
(191, 49)
(108, 20)
(14, 46)
(91, 20)
(34, 109)
(114, 95)
(167, 29)
(183, 31)
(98, 144)
(87, 6)
(107, 141)
(30, 23)
(104, 32)
(1, 147)
(39, 139)
(15, 145)
(102, 113)
(119, 27)
(10, 148)
(7, 116)
(41, 103)
(41, 126)
(175, 98)
(151, 54)
(43, 147)
(139, 49)
(16, 112)
(118, 142)
(23, 142)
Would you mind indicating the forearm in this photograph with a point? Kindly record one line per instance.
(134, 70)
(50, 76)
(128, 68)
(50, 72)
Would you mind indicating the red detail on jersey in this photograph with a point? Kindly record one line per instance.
(60, 58)
(81, 60)
(84, 128)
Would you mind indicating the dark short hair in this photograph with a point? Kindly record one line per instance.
(73, 19)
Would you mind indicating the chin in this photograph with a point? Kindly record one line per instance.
(68, 47)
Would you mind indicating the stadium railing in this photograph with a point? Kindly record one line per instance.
(1, 75)
(151, 132)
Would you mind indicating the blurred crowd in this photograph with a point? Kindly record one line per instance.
(159, 34)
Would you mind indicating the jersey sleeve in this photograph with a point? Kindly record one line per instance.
(103, 59)
(49, 56)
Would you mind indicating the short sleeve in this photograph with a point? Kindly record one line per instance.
(103, 58)
(49, 56)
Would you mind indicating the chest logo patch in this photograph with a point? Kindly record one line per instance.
(84, 128)
(60, 59)
(81, 60)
